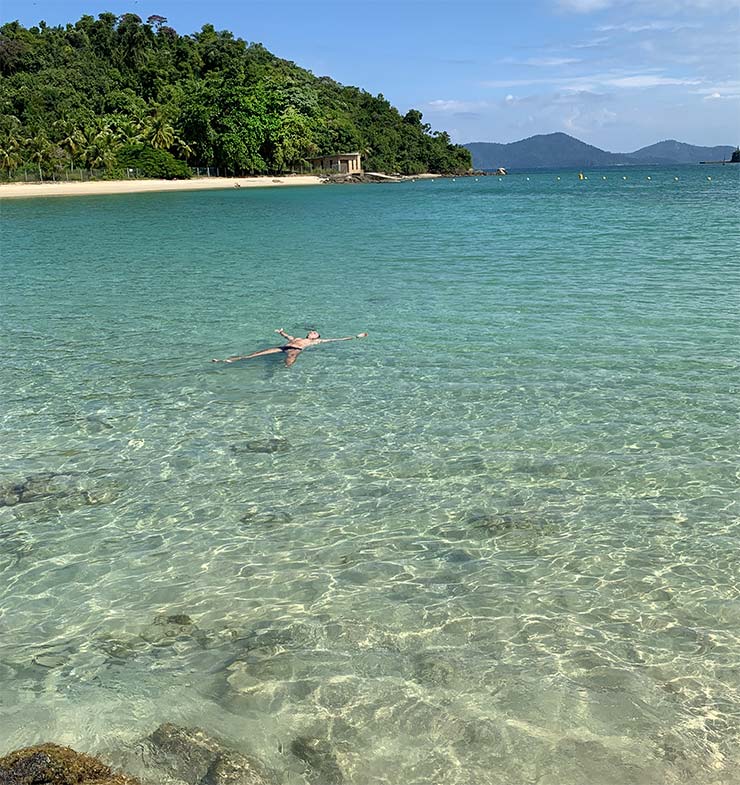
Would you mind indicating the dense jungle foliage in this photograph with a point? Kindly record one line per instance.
(115, 91)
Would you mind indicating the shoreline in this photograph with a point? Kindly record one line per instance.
(110, 187)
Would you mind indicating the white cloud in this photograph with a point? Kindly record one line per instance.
(648, 80)
(647, 27)
(596, 82)
(725, 91)
(728, 89)
(453, 105)
(546, 62)
(594, 42)
(585, 6)
(580, 121)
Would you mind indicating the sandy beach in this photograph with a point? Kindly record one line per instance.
(103, 187)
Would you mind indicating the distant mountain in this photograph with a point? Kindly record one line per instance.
(560, 150)
(681, 153)
(543, 150)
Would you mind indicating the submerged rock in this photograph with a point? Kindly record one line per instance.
(493, 524)
(50, 764)
(256, 516)
(275, 444)
(182, 619)
(117, 650)
(490, 523)
(54, 487)
(168, 628)
(165, 630)
(318, 754)
(49, 660)
(191, 755)
(433, 669)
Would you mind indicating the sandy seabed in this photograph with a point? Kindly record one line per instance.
(102, 187)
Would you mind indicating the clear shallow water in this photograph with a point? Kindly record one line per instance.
(497, 541)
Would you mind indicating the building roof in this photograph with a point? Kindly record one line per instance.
(334, 155)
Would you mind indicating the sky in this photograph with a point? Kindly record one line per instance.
(619, 74)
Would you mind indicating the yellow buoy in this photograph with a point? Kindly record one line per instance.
(581, 176)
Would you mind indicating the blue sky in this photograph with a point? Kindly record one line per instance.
(619, 74)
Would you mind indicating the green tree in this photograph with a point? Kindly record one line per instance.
(38, 150)
(100, 83)
(159, 133)
(290, 141)
(10, 157)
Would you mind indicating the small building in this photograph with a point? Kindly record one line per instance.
(344, 163)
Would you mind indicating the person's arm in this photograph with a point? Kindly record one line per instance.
(348, 338)
(285, 335)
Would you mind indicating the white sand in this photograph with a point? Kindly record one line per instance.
(102, 187)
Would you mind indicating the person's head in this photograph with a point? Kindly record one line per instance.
(313, 335)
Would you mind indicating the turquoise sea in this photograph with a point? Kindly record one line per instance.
(494, 543)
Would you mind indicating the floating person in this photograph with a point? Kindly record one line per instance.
(292, 349)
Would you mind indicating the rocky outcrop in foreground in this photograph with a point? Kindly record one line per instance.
(50, 764)
(185, 755)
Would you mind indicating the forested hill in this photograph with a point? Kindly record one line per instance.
(560, 150)
(672, 152)
(543, 150)
(108, 92)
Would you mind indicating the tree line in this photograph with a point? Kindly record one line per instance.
(117, 92)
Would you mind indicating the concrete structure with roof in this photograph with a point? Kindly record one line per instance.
(344, 163)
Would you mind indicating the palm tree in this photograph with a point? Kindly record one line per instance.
(38, 148)
(98, 146)
(12, 141)
(160, 134)
(71, 139)
(102, 155)
(9, 156)
(127, 130)
(184, 150)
